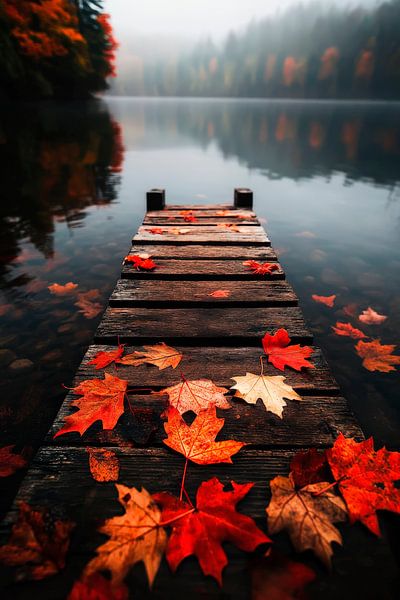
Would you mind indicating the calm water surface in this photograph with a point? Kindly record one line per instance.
(326, 179)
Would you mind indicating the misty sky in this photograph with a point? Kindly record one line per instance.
(194, 18)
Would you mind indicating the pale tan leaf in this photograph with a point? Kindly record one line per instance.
(271, 390)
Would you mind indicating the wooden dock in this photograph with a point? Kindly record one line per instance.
(220, 338)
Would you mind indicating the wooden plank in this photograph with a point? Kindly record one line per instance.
(228, 325)
(202, 207)
(170, 293)
(206, 252)
(313, 422)
(60, 480)
(209, 234)
(202, 213)
(180, 221)
(199, 269)
(218, 364)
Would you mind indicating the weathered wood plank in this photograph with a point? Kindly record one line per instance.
(60, 480)
(229, 325)
(206, 252)
(314, 422)
(247, 234)
(202, 207)
(176, 293)
(199, 269)
(202, 213)
(218, 364)
(179, 221)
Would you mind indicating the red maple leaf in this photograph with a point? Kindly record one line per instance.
(347, 330)
(327, 300)
(202, 530)
(97, 587)
(261, 268)
(366, 479)
(105, 358)
(281, 354)
(144, 264)
(308, 467)
(102, 400)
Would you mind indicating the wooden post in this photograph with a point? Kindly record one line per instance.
(155, 199)
(243, 198)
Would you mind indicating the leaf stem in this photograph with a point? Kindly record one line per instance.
(183, 479)
(165, 523)
(328, 487)
(262, 366)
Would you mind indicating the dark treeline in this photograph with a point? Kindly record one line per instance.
(54, 48)
(308, 51)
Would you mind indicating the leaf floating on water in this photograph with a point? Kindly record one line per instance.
(327, 300)
(63, 290)
(271, 390)
(160, 355)
(281, 354)
(87, 305)
(105, 358)
(366, 479)
(195, 395)
(197, 441)
(307, 514)
(377, 357)
(201, 531)
(371, 317)
(347, 330)
(135, 536)
(103, 464)
(37, 546)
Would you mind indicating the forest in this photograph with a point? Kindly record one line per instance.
(54, 48)
(313, 50)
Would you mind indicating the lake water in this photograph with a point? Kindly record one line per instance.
(326, 178)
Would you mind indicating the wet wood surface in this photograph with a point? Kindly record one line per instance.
(220, 338)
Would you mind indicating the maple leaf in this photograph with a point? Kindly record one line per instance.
(371, 317)
(144, 264)
(280, 354)
(275, 577)
(261, 268)
(327, 300)
(103, 464)
(229, 226)
(102, 400)
(308, 467)
(365, 478)
(179, 230)
(87, 305)
(97, 587)
(271, 390)
(10, 462)
(135, 536)
(36, 545)
(201, 531)
(220, 294)
(155, 231)
(377, 356)
(62, 290)
(105, 358)
(307, 514)
(160, 355)
(197, 441)
(195, 395)
(346, 329)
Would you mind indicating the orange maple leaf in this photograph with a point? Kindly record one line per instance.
(281, 354)
(201, 531)
(195, 395)
(220, 294)
(261, 268)
(160, 355)
(62, 290)
(155, 231)
(87, 305)
(141, 264)
(37, 546)
(197, 441)
(105, 358)
(103, 464)
(371, 317)
(346, 329)
(327, 300)
(366, 479)
(229, 226)
(377, 356)
(102, 400)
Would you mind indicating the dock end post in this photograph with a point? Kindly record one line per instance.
(243, 198)
(155, 199)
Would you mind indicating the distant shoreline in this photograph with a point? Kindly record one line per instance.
(377, 101)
